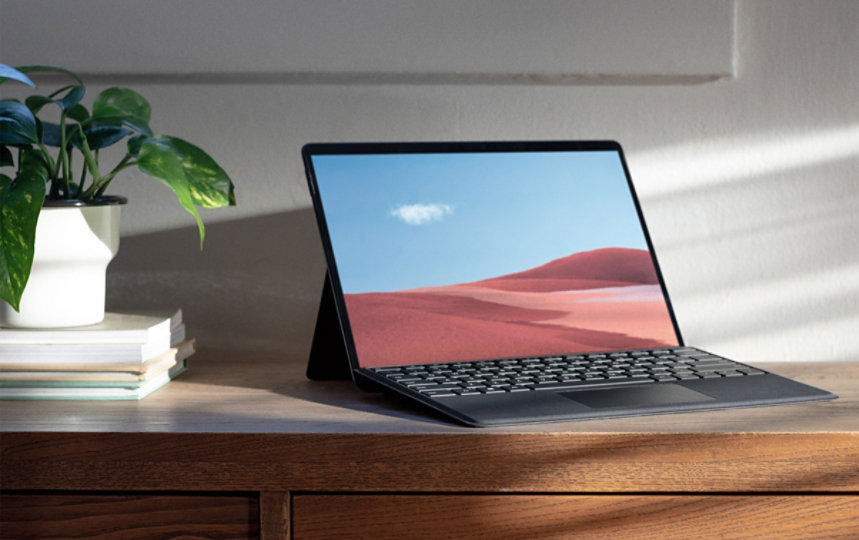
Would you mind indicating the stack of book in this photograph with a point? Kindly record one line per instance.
(127, 356)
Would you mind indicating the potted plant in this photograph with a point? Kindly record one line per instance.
(54, 205)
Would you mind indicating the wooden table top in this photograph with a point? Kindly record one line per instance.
(253, 422)
(268, 393)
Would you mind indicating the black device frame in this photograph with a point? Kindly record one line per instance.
(332, 354)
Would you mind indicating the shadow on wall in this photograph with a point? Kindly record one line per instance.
(254, 287)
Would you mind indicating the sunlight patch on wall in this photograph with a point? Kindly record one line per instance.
(813, 341)
(758, 239)
(781, 306)
(676, 169)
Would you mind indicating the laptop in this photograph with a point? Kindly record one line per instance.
(506, 283)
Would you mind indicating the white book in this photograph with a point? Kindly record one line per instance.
(117, 391)
(126, 337)
(51, 376)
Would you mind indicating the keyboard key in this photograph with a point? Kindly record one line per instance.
(421, 385)
(437, 387)
(713, 367)
(408, 380)
(440, 393)
(590, 384)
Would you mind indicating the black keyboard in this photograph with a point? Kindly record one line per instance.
(566, 372)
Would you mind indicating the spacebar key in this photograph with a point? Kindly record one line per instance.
(592, 384)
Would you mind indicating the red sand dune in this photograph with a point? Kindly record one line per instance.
(437, 338)
(543, 284)
(601, 307)
(388, 307)
(607, 267)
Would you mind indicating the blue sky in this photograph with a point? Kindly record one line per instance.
(401, 221)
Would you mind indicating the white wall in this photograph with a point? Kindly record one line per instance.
(740, 121)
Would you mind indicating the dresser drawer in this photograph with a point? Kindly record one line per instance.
(127, 516)
(579, 516)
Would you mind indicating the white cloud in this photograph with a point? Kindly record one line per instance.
(419, 214)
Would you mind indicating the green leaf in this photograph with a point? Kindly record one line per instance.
(72, 98)
(134, 144)
(98, 135)
(67, 103)
(6, 157)
(21, 201)
(35, 103)
(191, 173)
(17, 124)
(51, 134)
(8, 72)
(49, 69)
(123, 106)
(78, 112)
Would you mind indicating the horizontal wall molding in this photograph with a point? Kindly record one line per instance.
(378, 41)
(377, 78)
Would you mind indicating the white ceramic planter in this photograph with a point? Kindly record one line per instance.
(73, 247)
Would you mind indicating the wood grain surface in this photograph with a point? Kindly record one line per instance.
(262, 452)
(275, 513)
(128, 516)
(720, 462)
(631, 517)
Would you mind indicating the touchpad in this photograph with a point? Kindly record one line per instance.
(637, 396)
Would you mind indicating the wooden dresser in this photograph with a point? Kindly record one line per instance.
(243, 446)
